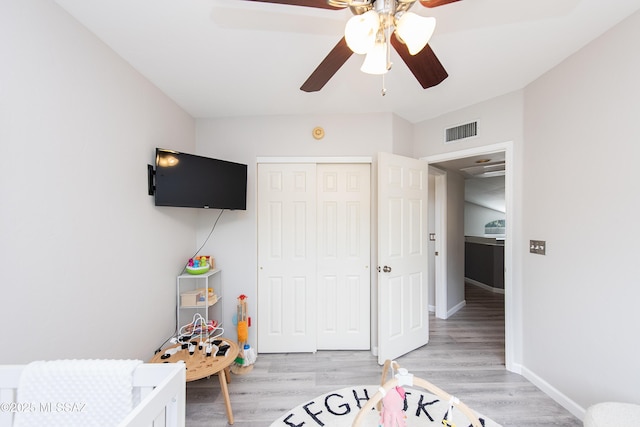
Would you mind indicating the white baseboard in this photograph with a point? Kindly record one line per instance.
(568, 404)
(456, 308)
(484, 286)
(516, 368)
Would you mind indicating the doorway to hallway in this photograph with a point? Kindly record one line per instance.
(450, 258)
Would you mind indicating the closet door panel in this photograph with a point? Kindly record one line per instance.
(343, 195)
(286, 258)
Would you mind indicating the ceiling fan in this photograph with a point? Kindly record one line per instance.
(375, 26)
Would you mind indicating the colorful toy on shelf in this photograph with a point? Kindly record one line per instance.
(198, 265)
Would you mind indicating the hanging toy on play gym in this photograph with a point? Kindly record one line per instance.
(247, 356)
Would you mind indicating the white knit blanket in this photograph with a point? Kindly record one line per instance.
(75, 393)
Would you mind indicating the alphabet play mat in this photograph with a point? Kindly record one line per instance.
(340, 407)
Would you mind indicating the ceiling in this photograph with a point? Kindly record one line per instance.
(230, 58)
(487, 190)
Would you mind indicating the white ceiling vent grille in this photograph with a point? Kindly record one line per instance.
(456, 133)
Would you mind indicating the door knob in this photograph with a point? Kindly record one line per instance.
(386, 269)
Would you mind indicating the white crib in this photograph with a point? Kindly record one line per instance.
(161, 388)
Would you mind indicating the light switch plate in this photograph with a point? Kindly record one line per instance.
(538, 247)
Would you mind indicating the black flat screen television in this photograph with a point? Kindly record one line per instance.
(190, 181)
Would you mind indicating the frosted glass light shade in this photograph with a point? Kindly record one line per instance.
(376, 60)
(360, 31)
(415, 30)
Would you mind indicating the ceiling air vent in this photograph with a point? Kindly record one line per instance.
(456, 133)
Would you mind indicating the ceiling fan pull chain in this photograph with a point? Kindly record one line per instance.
(388, 59)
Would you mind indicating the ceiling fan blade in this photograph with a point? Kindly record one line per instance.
(436, 3)
(328, 67)
(424, 65)
(320, 4)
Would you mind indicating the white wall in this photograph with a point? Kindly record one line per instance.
(402, 137)
(455, 243)
(233, 243)
(499, 120)
(574, 186)
(580, 178)
(88, 263)
(476, 217)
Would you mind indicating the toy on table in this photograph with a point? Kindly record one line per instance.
(199, 330)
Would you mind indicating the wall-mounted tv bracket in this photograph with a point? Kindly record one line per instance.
(150, 181)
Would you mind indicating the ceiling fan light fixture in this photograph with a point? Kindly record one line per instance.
(376, 60)
(415, 30)
(360, 31)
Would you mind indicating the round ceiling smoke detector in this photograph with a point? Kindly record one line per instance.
(318, 132)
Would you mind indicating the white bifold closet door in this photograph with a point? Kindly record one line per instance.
(313, 257)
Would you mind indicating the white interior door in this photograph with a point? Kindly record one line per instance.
(403, 318)
(287, 258)
(343, 280)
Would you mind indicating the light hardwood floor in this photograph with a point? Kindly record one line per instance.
(465, 357)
